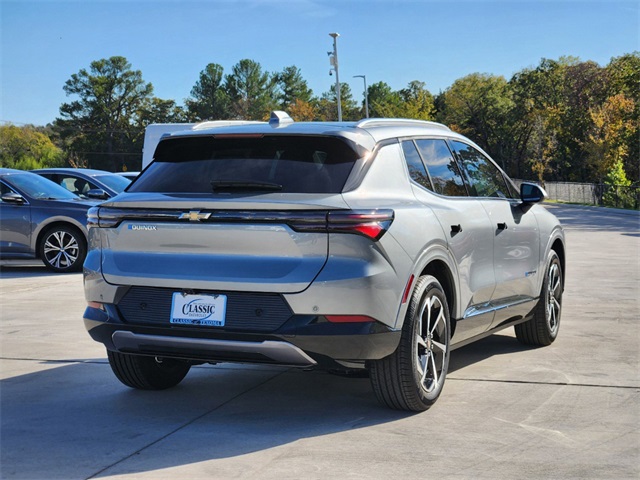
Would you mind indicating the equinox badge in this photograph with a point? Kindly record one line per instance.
(194, 216)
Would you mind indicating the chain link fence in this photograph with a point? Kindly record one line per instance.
(601, 194)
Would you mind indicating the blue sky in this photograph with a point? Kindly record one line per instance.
(44, 42)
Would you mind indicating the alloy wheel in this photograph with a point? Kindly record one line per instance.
(431, 344)
(61, 249)
(554, 297)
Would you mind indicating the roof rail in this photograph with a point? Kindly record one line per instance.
(392, 122)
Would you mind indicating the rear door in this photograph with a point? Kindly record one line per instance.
(465, 224)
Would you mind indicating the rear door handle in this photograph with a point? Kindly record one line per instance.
(502, 226)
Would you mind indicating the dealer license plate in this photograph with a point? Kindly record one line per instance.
(200, 309)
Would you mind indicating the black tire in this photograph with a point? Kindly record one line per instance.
(413, 376)
(147, 373)
(543, 328)
(63, 249)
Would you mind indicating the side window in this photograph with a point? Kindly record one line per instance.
(485, 180)
(416, 168)
(77, 185)
(442, 168)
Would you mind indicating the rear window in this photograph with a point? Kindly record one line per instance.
(289, 164)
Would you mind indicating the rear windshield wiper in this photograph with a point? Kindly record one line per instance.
(243, 185)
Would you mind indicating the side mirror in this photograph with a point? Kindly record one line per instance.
(532, 193)
(12, 197)
(97, 193)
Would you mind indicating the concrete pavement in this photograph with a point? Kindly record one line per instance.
(571, 410)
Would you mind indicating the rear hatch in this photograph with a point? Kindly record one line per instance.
(238, 213)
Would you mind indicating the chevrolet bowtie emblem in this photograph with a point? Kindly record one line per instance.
(194, 216)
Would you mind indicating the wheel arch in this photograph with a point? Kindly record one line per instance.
(57, 223)
(439, 269)
(558, 247)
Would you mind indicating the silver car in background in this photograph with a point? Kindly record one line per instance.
(375, 246)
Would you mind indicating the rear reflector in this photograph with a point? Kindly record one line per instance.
(349, 318)
(407, 289)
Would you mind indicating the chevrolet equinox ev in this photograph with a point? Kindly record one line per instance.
(376, 246)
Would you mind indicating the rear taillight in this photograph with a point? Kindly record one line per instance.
(370, 223)
(92, 217)
(103, 217)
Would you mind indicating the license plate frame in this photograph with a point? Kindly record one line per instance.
(198, 309)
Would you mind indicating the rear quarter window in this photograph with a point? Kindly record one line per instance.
(297, 164)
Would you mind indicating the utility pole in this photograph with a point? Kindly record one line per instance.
(366, 95)
(333, 60)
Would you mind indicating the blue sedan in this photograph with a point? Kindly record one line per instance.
(39, 219)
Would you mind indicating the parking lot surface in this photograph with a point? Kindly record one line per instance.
(570, 410)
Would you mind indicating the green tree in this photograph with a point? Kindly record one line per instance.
(616, 194)
(611, 124)
(25, 148)
(156, 110)
(101, 128)
(552, 120)
(383, 101)
(585, 89)
(209, 100)
(291, 86)
(327, 108)
(624, 78)
(251, 91)
(537, 94)
(478, 106)
(417, 102)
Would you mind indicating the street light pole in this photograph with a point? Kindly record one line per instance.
(334, 63)
(366, 95)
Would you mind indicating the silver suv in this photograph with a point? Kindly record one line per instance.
(374, 246)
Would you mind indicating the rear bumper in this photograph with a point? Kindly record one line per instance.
(276, 351)
(303, 341)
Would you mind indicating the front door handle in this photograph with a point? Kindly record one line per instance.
(502, 226)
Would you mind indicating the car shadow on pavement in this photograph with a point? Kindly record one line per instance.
(36, 269)
(77, 420)
(491, 346)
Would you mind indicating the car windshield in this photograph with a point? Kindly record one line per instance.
(39, 187)
(117, 183)
(248, 164)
